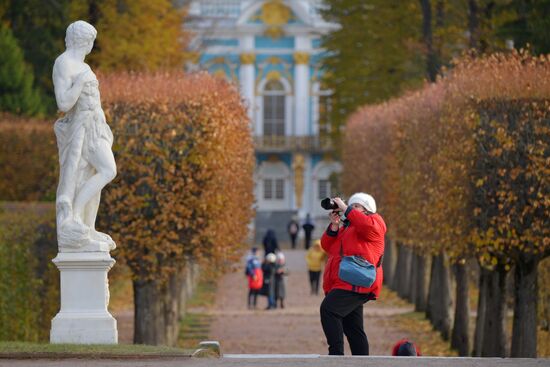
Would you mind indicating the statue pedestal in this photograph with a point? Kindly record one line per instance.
(83, 317)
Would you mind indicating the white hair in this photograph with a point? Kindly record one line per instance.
(79, 34)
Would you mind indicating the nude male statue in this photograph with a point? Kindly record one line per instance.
(84, 141)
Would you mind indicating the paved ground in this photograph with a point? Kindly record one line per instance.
(290, 361)
(295, 329)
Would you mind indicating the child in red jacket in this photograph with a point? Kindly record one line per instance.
(255, 277)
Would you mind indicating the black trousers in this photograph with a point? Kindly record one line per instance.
(314, 281)
(307, 240)
(293, 240)
(342, 313)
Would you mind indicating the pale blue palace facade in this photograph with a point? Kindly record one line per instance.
(272, 50)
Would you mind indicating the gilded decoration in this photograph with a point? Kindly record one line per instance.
(222, 67)
(298, 166)
(283, 72)
(301, 58)
(273, 75)
(248, 58)
(274, 15)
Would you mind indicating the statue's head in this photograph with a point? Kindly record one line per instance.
(80, 34)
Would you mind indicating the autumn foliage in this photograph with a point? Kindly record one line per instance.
(431, 154)
(185, 158)
(462, 166)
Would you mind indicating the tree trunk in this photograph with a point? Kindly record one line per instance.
(439, 298)
(432, 290)
(404, 289)
(148, 318)
(473, 24)
(460, 339)
(388, 262)
(484, 275)
(172, 307)
(420, 299)
(157, 311)
(494, 333)
(398, 273)
(524, 333)
(412, 277)
(431, 59)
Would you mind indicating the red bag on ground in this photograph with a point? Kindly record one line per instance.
(256, 280)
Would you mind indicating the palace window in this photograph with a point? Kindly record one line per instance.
(325, 108)
(274, 109)
(274, 189)
(324, 189)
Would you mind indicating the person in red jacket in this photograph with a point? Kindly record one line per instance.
(361, 234)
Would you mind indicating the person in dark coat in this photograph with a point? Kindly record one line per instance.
(268, 288)
(293, 227)
(308, 230)
(270, 242)
(280, 272)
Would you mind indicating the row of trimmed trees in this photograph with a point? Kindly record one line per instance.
(460, 169)
(182, 196)
(180, 141)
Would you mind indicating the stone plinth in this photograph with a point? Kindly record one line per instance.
(83, 317)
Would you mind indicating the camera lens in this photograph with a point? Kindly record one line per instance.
(328, 204)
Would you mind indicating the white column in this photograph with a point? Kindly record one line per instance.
(83, 317)
(248, 59)
(301, 93)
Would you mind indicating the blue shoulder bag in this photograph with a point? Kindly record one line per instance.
(356, 270)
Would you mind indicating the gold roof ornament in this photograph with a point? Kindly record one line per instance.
(274, 15)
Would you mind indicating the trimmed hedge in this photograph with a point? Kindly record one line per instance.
(29, 281)
(28, 159)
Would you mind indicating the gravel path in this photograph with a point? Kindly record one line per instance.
(295, 329)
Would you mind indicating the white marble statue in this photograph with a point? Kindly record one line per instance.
(84, 140)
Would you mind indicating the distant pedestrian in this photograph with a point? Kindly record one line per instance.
(315, 259)
(308, 230)
(255, 277)
(280, 273)
(404, 348)
(293, 227)
(268, 286)
(270, 242)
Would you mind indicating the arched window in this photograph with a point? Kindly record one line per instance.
(274, 108)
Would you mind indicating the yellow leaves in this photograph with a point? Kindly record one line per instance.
(464, 160)
(141, 35)
(172, 183)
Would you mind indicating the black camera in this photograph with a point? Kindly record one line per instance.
(328, 204)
